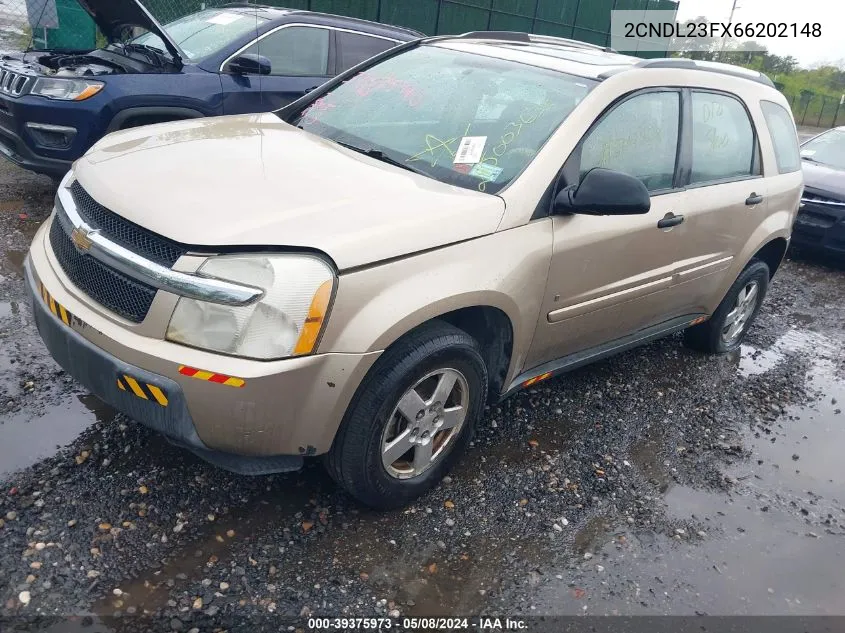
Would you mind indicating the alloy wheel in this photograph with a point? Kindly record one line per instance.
(424, 423)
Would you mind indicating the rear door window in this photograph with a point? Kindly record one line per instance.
(784, 136)
(724, 146)
(295, 51)
(354, 48)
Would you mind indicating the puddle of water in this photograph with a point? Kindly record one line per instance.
(772, 546)
(645, 454)
(593, 531)
(13, 316)
(14, 260)
(27, 437)
(9, 308)
(806, 454)
(753, 361)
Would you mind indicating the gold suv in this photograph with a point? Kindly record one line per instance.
(359, 273)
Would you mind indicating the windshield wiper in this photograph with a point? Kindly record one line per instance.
(157, 53)
(380, 155)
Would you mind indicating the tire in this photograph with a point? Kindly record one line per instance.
(373, 420)
(713, 336)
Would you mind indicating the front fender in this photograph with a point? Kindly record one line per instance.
(192, 93)
(120, 118)
(375, 306)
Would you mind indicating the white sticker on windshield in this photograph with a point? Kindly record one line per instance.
(807, 152)
(224, 18)
(470, 149)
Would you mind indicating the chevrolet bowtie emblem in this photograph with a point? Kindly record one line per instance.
(80, 238)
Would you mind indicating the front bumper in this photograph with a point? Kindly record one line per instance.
(24, 147)
(287, 407)
(14, 148)
(820, 227)
(162, 407)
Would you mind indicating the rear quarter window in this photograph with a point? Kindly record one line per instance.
(784, 136)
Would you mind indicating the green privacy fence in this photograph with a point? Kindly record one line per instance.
(76, 30)
(586, 20)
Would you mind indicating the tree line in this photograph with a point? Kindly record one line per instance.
(802, 86)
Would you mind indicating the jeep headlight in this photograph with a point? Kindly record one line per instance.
(286, 321)
(65, 89)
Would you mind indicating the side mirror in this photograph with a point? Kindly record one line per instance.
(250, 64)
(604, 192)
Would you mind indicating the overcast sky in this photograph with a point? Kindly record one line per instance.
(829, 13)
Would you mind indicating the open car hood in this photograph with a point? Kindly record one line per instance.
(112, 16)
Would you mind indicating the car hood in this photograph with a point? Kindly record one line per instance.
(253, 180)
(823, 178)
(113, 16)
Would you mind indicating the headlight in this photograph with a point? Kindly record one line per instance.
(286, 321)
(65, 89)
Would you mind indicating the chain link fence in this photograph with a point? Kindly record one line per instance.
(815, 110)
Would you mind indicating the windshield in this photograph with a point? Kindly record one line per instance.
(458, 117)
(828, 149)
(204, 33)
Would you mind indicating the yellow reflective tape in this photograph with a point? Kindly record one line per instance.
(203, 375)
(53, 306)
(135, 387)
(235, 382)
(158, 394)
(120, 385)
(63, 313)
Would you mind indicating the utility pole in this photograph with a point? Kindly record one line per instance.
(730, 21)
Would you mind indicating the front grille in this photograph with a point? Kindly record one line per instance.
(117, 292)
(12, 83)
(129, 235)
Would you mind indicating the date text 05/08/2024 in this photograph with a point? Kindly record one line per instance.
(422, 624)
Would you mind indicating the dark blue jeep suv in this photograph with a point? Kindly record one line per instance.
(236, 59)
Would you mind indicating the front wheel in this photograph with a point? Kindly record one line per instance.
(726, 329)
(412, 417)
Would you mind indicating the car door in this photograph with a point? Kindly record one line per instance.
(728, 196)
(354, 47)
(301, 58)
(609, 275)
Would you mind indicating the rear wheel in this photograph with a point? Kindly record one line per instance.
(727, 328)
(412, 417)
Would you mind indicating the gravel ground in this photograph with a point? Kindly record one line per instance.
(661, 481)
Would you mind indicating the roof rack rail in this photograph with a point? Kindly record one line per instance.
(530, 38)
(553, 39)
(713, 67)
(509, 36)
(247, 5)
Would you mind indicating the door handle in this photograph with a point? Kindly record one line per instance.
(669, 220)
(753, 199)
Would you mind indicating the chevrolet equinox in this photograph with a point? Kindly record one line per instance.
(358, 274)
